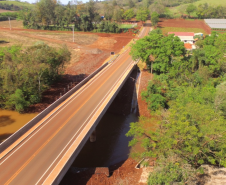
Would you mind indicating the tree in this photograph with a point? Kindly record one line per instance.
(131, 3)
(158, 7)
(128, 14)
(220, 99)
(17, 101)
(118, 14)
(154, 18)
(191, 8)
(142, 15)
(162, 49)
(195, 133)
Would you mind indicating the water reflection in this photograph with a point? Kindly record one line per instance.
(6, 120)
(111, 145)
(11, 121)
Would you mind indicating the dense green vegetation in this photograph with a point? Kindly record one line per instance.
(187, 101)
(48, 14)
(5, 16)
(26, 73)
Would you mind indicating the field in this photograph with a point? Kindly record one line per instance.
(14, 24)
(17, 3)
(179, 29)
(181, 25)
(128, 26)
(3, 11)
(176, 10)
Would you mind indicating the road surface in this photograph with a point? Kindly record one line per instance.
(32, 160)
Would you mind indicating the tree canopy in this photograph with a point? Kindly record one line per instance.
(160, 50)
(154, 18)
(26, 73)
(187, 102)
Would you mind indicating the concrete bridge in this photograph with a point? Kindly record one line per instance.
(43, 150)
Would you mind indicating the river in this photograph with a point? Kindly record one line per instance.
(111, 145)
(11, 121)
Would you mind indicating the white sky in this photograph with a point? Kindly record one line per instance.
(62, 1)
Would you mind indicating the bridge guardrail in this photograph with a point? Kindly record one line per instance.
(5, 144)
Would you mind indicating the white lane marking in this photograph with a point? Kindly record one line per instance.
(81, 127)
(56, 113)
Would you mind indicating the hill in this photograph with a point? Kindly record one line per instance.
(176, 11)
(15, 5)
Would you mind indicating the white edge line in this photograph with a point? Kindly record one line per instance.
(82, 125)
(42, 125)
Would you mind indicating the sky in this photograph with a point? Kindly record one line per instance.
(62, 1)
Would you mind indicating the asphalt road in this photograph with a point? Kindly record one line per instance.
(32, 160)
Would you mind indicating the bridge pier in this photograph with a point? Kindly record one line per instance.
(93, 136)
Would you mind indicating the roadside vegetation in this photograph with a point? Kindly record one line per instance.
(5, 16)
(26, 72)
(187, 101)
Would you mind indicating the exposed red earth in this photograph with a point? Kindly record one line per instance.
(183, 23)
(91, 57)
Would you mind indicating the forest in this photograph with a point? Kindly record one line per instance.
(187, 101)
(26, 72)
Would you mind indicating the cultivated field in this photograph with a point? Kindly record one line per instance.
(181, 25)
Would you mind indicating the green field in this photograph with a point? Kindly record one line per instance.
(17, 3)
(175, 29)
(126, 26)
(176, 10)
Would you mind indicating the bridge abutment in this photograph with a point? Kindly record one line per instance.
(93, 136)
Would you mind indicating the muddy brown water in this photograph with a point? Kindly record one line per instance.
(11, 121)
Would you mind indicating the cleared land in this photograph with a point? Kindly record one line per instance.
(182, 25)
(3, 11)
(14, 23)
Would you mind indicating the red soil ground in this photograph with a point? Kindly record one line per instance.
(88, 62)
(146, 76)
(121, 173)
(183, 23)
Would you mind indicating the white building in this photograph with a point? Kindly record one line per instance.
(186, 37)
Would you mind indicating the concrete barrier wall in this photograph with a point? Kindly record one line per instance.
(5, 144)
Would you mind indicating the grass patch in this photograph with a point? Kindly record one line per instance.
(165, 30)
(128, 26)
(176, 13)
(17, 3)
